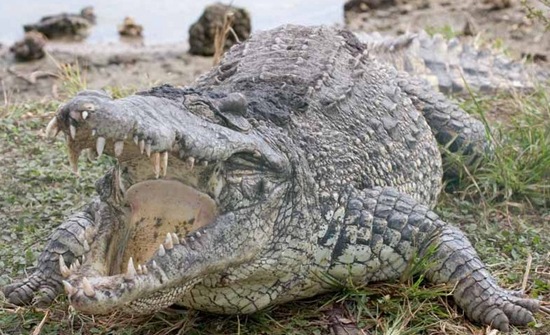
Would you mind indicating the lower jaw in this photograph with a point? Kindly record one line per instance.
(158, 208)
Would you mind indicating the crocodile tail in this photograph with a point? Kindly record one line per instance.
(454, 66)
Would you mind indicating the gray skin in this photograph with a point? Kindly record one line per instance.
(322, 164)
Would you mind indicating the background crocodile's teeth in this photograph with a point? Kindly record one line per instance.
(94, 132)
(100, 145)
(119, 147)
(84, 115)
(69, 289)
(162, 252)
(141, 146)
(175, 238)
(52, 129)
(204, 163)
(87, 287)
(155, 160)
(136, 140)
(131, 270)
(72, 131)
(168, 243)
(65, 272)
(191, 162)
(164, 163)
(145, 270)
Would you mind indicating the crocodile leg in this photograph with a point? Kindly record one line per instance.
(381, 232)
(68, 241)
(453, 128)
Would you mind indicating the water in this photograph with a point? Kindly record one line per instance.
(164, 21)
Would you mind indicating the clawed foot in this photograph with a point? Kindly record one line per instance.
(35, 290)
(485, 302)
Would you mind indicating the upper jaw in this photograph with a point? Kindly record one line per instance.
(156, 127)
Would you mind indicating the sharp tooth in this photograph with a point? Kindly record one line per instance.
(154, 264)
(69, 289)
(72, 130)
(175, 238)
(148, 149)
(204, 163)
(65, 272)
(131, 270)
(84, 115)
(86, 247)
(164, 163)
(52, 130)
(73, 160)
(155, 160)
(191, 162)
(76, 263)
(168, 243)
(119, 147)
(198, 234)
(94, 132)
(100, 145)
(257, 154)
(87, 287)
(141, 146)
(161, 252)
(136, 140)
(145, 270)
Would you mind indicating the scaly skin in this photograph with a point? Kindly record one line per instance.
(319, 160)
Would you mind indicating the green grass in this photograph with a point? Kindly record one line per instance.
(503, 207)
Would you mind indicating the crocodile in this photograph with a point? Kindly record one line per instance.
(299, 161)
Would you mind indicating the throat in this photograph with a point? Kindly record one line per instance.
(158, 207)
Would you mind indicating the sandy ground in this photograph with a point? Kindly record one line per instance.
(141, 67)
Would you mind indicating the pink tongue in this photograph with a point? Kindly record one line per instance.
(160, 207)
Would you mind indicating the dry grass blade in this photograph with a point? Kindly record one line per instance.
(221, 36)
(526, 275)
(38, 328)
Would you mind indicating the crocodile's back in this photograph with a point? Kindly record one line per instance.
(343, 109)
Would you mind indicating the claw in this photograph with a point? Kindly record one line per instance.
(65, 272)
(87, 287)
(168, 243)
(119, 147)
(52, 129)
(69, 289)
(155, 159)
(131, 270)
(164, 165)
(72, 130)
(100, 145)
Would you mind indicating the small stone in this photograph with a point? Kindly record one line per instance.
(30, 48)
(130, 28)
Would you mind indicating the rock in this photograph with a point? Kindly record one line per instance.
(498, 4)
(203, 32)
(64, 25)
(30, 48)
(130, 28)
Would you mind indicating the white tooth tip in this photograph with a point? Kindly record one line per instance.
(148, 149)
(136, 140)
(175, 238)
(168, 243)
(191, 162)
(100, 145)
(85, 115)
(164, 163)
(87, 287)
(119, 147)
(69, 289)
(51, 128)
(142, 146)
(162, 251)
(72, 130)
(131, 270)
(65, 272)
